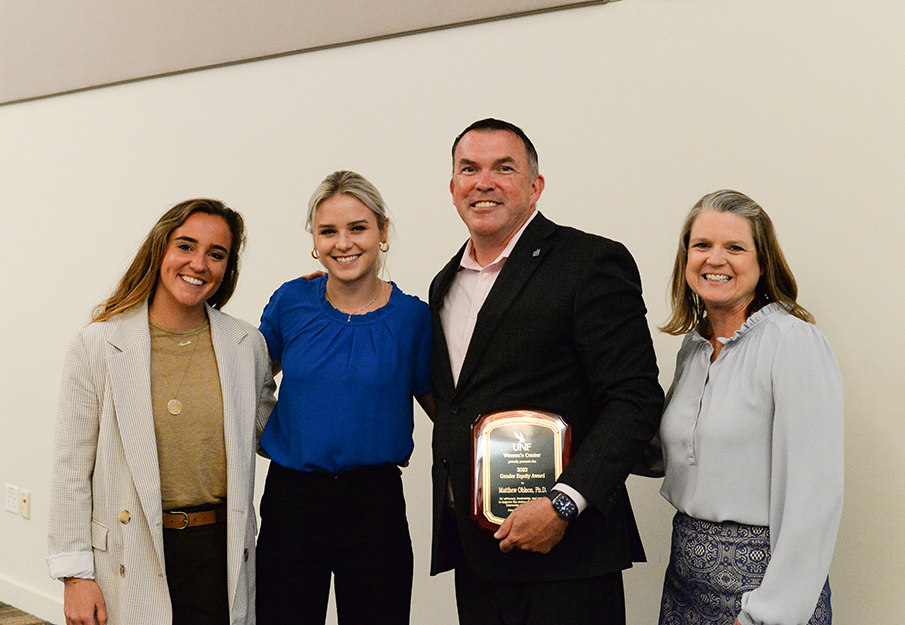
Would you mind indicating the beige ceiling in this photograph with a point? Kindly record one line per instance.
(50, 47)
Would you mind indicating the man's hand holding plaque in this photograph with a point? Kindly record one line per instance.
(533, 526)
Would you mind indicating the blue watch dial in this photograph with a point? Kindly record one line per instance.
(564, 506)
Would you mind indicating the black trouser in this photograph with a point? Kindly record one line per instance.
(351, 525)
(196, 573)
(590, 601)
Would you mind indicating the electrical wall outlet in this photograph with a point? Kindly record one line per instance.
(25, 503)
(12, 499)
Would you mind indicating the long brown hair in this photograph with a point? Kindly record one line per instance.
(140, 280)
(776, 284)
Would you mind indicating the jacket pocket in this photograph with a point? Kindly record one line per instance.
(99, 533)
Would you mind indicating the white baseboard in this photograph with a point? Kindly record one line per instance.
(43, 605)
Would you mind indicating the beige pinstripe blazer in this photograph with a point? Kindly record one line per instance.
(105, 517)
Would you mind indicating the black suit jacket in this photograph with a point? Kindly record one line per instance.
(563, 329)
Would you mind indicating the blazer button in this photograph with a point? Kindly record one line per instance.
(122, 570)
(453, 410)
(444, 462)
(246, 555)
(125, 517)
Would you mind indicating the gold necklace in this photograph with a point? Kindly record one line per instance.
(173, 338)
(174, 406)
(357, 312)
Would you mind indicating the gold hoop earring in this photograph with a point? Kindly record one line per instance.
(384, 246)
(314, 253)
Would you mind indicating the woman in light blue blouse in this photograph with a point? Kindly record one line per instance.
(353, 350)
(752, 433)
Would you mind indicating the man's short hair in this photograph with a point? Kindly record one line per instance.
(491, 125)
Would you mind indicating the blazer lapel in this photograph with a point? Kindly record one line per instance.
(525, 257)
(238, 431)
(238, 403)
(442, 370)
(129, 366)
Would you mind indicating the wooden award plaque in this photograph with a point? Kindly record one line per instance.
(517, 455)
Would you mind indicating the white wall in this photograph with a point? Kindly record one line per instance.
(637, 108)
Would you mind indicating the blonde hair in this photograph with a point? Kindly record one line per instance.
(348, 183)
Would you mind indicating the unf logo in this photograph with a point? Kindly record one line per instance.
(522, 444)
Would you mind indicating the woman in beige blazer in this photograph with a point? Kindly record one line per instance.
(162, 402)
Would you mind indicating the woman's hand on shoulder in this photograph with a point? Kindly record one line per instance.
(313, 275)
(83, 601)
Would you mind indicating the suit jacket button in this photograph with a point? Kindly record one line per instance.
(125, 517)
(122, 570)
(246, 555)
(444, 462)
(453, 410)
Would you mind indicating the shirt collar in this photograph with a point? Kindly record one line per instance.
(468, 260)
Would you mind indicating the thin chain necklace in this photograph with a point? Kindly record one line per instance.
(174, 406)
(357, 312)
(180, 343)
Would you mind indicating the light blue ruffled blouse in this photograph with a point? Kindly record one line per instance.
(756, 437)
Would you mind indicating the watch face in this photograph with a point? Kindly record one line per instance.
(565, 507)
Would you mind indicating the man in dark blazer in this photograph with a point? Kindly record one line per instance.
(530, 314)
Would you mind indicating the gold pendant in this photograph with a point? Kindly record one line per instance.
(174, 406)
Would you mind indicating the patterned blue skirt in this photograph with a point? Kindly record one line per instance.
(711, 565)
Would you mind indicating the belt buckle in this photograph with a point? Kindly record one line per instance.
(185, 514)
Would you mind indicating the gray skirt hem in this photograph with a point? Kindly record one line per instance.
(711, 566)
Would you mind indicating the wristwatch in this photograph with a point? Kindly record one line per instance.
(564, 506)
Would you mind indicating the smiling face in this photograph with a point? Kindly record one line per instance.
(493, 188)
(347, 236)
(192, 269)
(722, 265)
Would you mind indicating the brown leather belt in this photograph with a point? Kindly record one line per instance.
(177, 520)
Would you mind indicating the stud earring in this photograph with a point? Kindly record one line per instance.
(314, 253)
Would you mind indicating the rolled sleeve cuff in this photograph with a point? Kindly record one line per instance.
(79, 564)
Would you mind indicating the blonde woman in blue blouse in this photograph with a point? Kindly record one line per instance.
(354, 350)
(752, 432)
